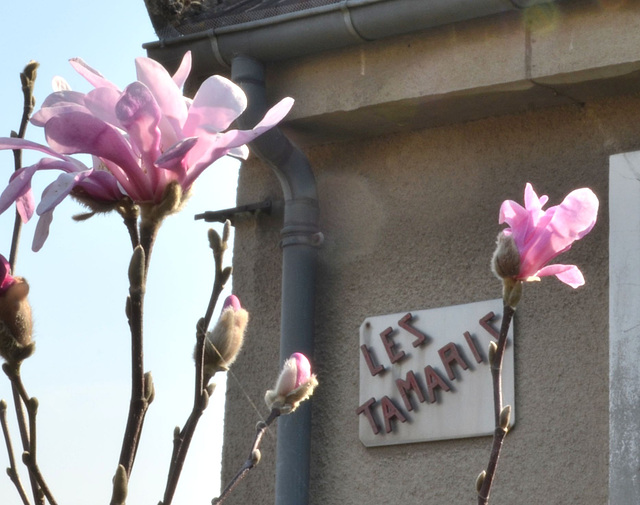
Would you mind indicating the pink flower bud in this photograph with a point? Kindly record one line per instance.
(233, 302)
(223, 343)
(6, 280)
(295, 384)
(15, 316)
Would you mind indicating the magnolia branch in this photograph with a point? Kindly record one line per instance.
(12, 471)
(252, 460)
(28, 433)
(27, 78)
(502, 414)
(141, 384)
(182, 438)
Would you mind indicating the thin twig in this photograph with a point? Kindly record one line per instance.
(27, 78)
(500, 431)
(30, 462)
(252, 460)
(12, 471)
(20, 399)
(182, 440)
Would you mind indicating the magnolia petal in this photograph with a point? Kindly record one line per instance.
(91, 74)
(41, 117)
(19, 185)
(241, 152)
(569, 274)
(63, 96)
(139, 114)
(168, 96)
(58, 103)
(303, 368)
(173, 158)
(216, 105)
(531, 200)
(180, 77)
(561, 226)
(19, 188)
(26, 205)
(42, 231)
(59, 189)
(212, 147)
(18, 143)
(60, 84)
(77, 132)
(576, 215)
(102, 185)
(101, 102)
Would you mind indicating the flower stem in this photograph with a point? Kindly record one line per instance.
(27, 432)
(501, 429)
(252, 460)
(27, 77)
(12, 471)
(139, 400)
(182, 439)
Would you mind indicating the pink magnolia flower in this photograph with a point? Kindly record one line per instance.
(541, 235)
(295, 384)
(142, 138)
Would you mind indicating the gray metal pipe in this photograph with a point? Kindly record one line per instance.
(300, 241)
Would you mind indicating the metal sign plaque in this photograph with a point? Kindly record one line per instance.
(425, 374)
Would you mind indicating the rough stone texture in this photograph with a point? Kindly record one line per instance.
(410, 221)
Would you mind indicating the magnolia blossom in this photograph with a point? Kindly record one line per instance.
(541, 235)
(142, 139)
(295, 384)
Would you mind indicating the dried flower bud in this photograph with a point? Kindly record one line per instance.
(149, 388)
(295, 384)
(223, 343)
(505, 417)
(226, 231)
(506, 258)
(215, 242)
(511, 292)
(493, 349)
(15, 316)
(120, 486)
(480, 480)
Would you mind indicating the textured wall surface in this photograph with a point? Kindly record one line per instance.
(410, 221)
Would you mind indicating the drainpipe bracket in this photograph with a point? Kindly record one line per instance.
(310, 239)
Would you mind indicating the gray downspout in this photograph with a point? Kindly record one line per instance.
(300, 241)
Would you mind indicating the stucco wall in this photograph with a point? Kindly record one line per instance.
(410, 221)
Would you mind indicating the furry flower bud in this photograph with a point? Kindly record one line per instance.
(295, 384)
(223, 343)
(506, 258)
(15, 316)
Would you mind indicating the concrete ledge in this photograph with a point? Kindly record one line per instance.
(566, 53)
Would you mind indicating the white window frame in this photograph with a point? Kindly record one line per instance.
(624, 328)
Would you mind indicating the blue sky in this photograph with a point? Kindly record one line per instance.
(80, 372)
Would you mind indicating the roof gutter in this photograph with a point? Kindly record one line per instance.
(319, 29)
